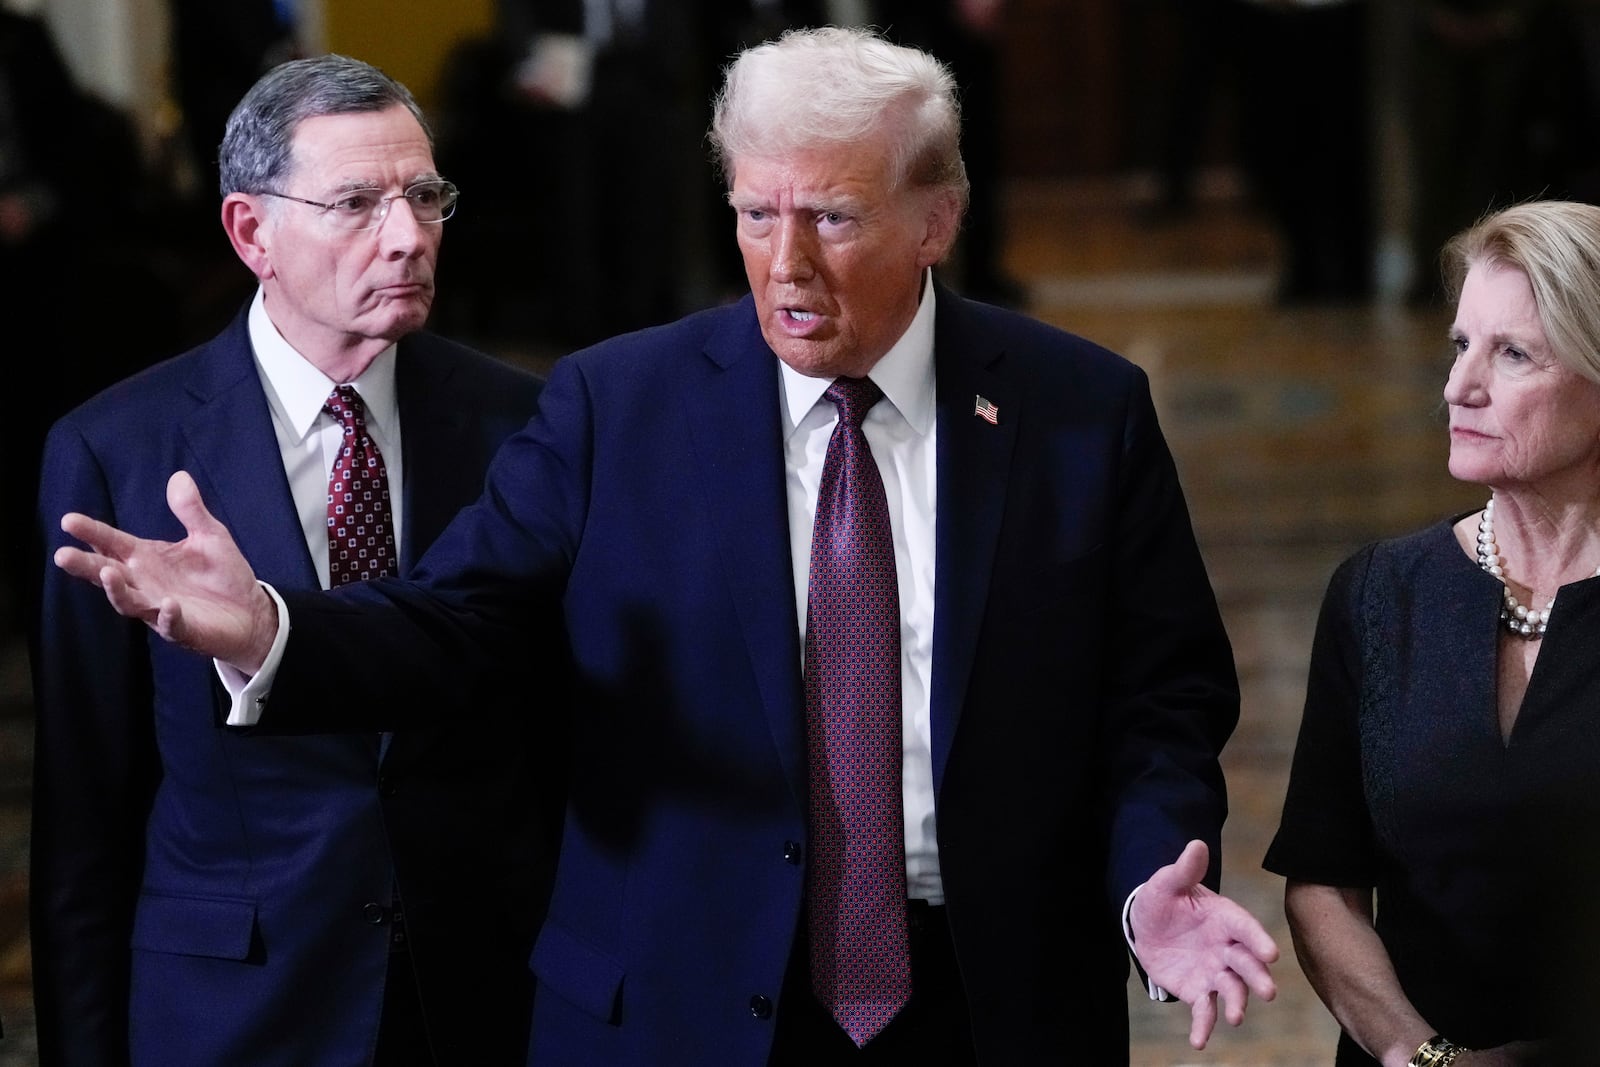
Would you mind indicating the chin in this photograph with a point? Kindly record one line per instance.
(817, 359)
(1471, 473)
(405, 322)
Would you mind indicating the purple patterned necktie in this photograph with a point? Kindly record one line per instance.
(856, 879)
(360, 530)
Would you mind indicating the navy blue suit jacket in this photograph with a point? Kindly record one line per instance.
(1082, 681)
(199, 896)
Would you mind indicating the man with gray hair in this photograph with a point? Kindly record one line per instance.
(202, 897)
(897, 680)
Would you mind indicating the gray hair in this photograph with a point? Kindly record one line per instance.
(257, 145)
(1556, 243)
(830, 86)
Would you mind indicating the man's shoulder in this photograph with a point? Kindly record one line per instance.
(724, 333)
(1031, 348)
(191, 376)
(692, 329)
(473, 364)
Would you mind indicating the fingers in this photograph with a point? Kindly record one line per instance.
(81, 564)
(1231, 989)
(106, 540)
(1251, 967)
(1202, 1020)
(123, 597)
(1234, 995)
(1246, 930)
(169, 622)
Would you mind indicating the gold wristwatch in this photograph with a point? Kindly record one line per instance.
(1435, 1052)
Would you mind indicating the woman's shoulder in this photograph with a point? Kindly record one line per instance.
(1431, 552)
(1423, 543)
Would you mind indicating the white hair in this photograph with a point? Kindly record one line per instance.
(830, 86)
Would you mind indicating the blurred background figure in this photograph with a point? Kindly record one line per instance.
(75, 205)
(578, 124)
(218, 52)
(1471, 80)
(1306, 141)
(1506, 107)
(1203, 53)
(966, 35)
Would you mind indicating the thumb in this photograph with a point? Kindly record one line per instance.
(1190, 866)
(183, 497)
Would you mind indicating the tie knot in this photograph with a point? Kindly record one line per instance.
(853, 397)
(344, 404)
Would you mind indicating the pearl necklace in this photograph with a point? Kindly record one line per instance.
(1520, 621)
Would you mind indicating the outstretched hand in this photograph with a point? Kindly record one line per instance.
(1199, 945)
(199, 593)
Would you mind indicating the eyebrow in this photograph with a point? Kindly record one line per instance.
(844, 205)
(361, 185)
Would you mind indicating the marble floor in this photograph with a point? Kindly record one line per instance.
(1299, 433)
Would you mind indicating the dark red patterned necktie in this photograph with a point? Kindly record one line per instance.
(360, 530)
(856, 879)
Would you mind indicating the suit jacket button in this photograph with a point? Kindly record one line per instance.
(760, 1006)
(373, 913)
(791, 851)
(386, 786)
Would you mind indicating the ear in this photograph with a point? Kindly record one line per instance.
(940, 225)
(250, 231)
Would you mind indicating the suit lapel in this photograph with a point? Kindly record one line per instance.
(736, 447)
(237, 465)
(974, 458)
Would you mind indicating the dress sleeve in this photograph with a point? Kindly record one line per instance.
(1326, 834)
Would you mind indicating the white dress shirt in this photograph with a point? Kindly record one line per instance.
(901, 429)
(308, 440)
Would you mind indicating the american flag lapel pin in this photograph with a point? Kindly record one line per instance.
(986, 411)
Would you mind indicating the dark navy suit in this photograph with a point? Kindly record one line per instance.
(200, 896)
(1082, 681)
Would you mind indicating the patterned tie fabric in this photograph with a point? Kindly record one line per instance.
(360, 530)
(856, 878)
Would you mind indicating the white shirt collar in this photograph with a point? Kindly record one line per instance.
(905, 374)
(297, 390)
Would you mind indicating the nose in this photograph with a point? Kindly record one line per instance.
(1464, 387)
(791, 253)
(400, 235)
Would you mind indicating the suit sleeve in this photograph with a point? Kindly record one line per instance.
(1172, 691)
(487, 593)
(95, 771)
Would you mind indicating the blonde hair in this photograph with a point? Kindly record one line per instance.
(1556, 243)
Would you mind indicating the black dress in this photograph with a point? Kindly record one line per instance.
(1480, 851)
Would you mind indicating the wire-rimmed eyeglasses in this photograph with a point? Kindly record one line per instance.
(362, 209)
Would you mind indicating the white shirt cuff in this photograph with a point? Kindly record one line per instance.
(249, 692)
(1155, 991)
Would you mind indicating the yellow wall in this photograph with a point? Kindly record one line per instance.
(408, 39)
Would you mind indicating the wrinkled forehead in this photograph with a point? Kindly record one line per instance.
(362, 148)
(825, 170)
